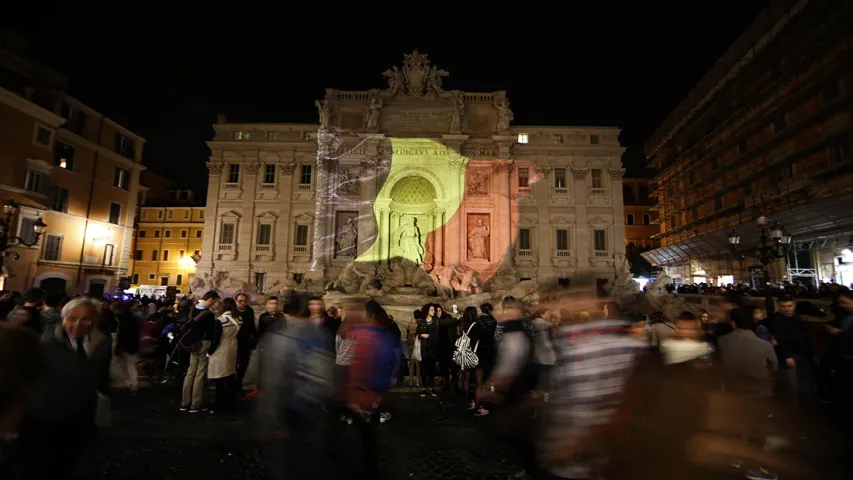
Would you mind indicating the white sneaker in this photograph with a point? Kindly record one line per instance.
(384, 417)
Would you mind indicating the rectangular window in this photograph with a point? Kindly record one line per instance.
(183, 234)
(559, 178)
(201, 214)
(59, 200)
(646, 219)
(138, 255)
(76, 120)
(272, 135)
(198, 234)
(170, 214)
(52, 247)
(523, 177)
(301, 235)
(121, 179)
(151, 276)
(562, 239)
(115, 213)
(167, 234)
(134, 280)
(164, 281)
(27, 231)
(43, 135)
(63, 156)
(594, 139)
(36, 182)
(156, 233)
(186, 214)
(264, 234)
(261, 281)
(595, 174)
(523, 138)
(226, 235)
(159, 214)
(109, 251)
(125, 147)
(237, 135)
(165, 255)
(524, 239)
(305, 176)
(630, 219)
(234, 173)
(600, 240)
(179, 279)
(269, 174)
(142, 234)
(154, 255)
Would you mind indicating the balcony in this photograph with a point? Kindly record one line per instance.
(303, 187)
(265, 186)
(302, 249)
(597, 192)
(263, 248)
(232, 186)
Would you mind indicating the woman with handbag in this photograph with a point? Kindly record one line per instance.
(222, 353)
(475, 333)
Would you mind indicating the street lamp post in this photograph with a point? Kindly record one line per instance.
(774, 244)
(8, 241)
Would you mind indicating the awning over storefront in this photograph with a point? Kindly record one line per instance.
(826, 218)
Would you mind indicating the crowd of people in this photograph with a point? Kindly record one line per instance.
(794, 289)
(570, 386)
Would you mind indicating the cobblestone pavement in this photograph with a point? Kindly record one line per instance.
(425, 439)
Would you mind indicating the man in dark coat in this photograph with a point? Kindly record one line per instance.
(247, 338)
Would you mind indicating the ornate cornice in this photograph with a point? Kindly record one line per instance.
(215, 168)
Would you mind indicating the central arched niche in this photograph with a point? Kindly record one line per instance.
(413, 190)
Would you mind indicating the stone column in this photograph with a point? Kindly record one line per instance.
(368, 227)
(283, 232)
(211, 216)
(246, 229)
(583, 248)
(618, 239)
(327, 141)
(546, 234)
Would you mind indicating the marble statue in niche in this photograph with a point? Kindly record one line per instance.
(346, 237)
(409, 242)
(478, 237)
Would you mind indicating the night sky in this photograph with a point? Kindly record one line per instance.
(166, 77)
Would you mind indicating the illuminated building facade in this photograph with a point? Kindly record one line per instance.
(767, 131)
(169, 236)
(411, 174)
(640, 218)
(73, 167)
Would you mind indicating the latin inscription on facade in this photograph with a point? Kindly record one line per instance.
(416, 120)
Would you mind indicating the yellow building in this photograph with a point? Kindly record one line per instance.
(168, 239)
(74, 168)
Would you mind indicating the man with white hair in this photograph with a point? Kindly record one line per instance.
(62, 416)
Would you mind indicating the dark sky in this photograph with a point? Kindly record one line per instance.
(166, 77)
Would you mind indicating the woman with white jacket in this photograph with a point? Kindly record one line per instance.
(222, 367)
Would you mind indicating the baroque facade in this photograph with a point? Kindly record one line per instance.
(411, 188)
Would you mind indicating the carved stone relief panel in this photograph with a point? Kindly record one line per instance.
(346, 234)
(478, 183)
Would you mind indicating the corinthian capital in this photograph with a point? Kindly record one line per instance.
(617, 172)
(215, 168)
(578, 172)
